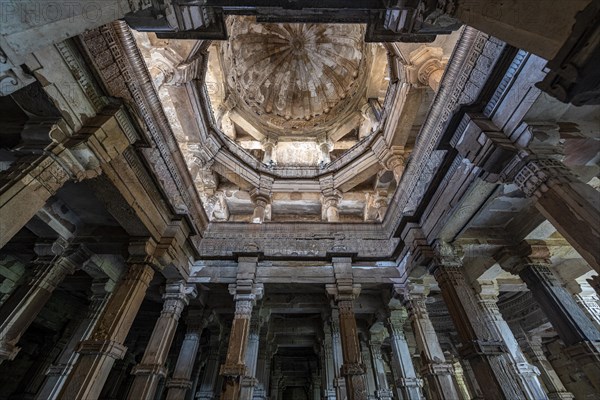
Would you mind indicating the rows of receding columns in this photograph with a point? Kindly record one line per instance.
(494, 360)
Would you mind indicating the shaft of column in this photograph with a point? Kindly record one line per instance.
(488, 298)
(180, 383)
(353, 368)
(369, 374)
(51, 266)
(581, 338)
(407, 382)
(383, 390)
(328, 366)
(435, 369)
(211, 371)
(245, 293)
(532, 345)
(58, 373)
(338, 358)
(459, 379)
(152, 366)
(482, 346)
(98, 354)
(249, 381)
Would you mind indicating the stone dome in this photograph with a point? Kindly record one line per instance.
(295, 75)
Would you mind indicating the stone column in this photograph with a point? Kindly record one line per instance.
(316, 385)
(481, 344)
(532, 346)
(276, 382)
(407, 383)
(249, 381)
(344, 293)
(330, 205)
(366, 356)
(580, 336)
(53, 264)
(152, 367)
(383, 390)
(211, 370)
(263, 363)
(395, 163)
(245, 294)
(327, 363)
(436, 369)
(573, 207)
(528, 374)
(180, 382)
(338, 358)
(58, 373)
(260, 201)
(99, 352)
(587, 299)
(459, 378)
(268, 145)
(325, 146)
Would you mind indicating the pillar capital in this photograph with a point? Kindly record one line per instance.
(516, 258)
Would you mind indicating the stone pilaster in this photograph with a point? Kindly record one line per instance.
(152, 366)
(435, 369)
(245, 294)
(580, 336)
(481, 344)
(408, 384)
(528, 375)
(383, 391)
(53, 264)
(339, 382)
(58, 373)
(99, 352)
(330, 202)
(268, 145)
(261, 200)
(179, 384)
(532, 346)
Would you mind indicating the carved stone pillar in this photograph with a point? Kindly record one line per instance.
(58, 373)
(211, 370)
(338, 358)
(580, 336)
(532, 346)
(31, 181)
(261, 201)
(269, 146)
(481, 344)
(587, 299)
(325, 145)
(249, 381)
(180, 382)
(572, 206)
(408, 384)
(152, 367)
(330, 205)
(53, 264)
(435, 369)
(245, 293)
(395, 163)
(528, 374)
(327, 363)
(263, 369)
(343, 293)
(316, 385)
(369, 374)
(383, 391)
(99, 352)
(461, 384)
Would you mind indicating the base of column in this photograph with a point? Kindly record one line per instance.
(385, 395)
(149, 369)
(179, 383)
(434, 368)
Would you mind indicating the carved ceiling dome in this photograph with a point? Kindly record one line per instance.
(297, 76)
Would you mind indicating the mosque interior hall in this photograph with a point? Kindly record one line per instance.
(300, 200)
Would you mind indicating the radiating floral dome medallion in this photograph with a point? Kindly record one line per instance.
(296, 76)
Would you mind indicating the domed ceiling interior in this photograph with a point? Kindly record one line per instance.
(295, 122)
